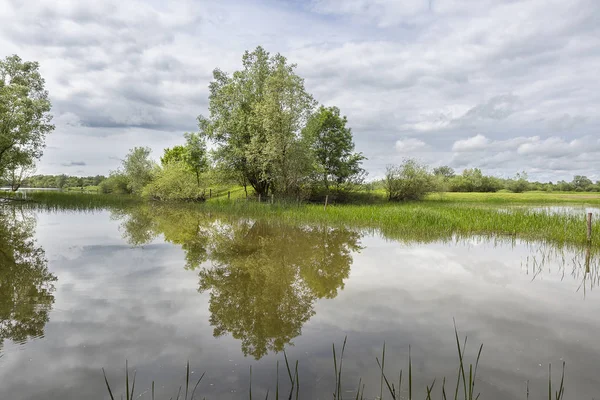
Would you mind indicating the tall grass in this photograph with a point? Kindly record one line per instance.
(427, 221)
(463, 389)
(423, 221)
(78, 201)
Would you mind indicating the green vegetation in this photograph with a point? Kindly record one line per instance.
(403, 388)
(439, 217)
(409, 181)
(331, 145)
(267, 136)
(24, 119)
(174, 182)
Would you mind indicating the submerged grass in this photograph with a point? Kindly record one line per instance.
(464, 389)
(429, 221)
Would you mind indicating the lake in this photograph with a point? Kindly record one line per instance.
(159, 287)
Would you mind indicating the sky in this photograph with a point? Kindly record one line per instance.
(503, 85)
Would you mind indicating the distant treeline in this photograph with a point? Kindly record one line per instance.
(412, 181)
(58, 181)
(473, 180)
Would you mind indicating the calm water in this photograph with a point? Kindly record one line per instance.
(161, 287)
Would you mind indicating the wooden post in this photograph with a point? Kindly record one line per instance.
(272, 198)
(589, 227)
(588, 258)
(210, 193)
(228, 195)
(326, 200)
(259, 197)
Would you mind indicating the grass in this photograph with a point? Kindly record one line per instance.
(429, 220)
(85, 189)
(424, 221)
(78, 201)
(538, 198)
(464, 389)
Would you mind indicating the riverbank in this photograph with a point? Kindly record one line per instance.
(464, 214)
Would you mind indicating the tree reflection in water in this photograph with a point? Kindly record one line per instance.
(26, 285)
(264, 276)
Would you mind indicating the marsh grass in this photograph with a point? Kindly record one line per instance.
(463, 389)
(78, 201)
(424, 221)
(427, 221)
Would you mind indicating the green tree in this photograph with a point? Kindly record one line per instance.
(61, 181)
(174, 154)
(256, 116)
(195, 154)
(138, 168)
(408, 181)
(331, 143)
(117, 183)
(581, 183)
(17, 171)
(444, 171)
(174, 181)
(24, 113)
(519, 183)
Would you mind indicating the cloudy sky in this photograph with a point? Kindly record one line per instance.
(504, 85)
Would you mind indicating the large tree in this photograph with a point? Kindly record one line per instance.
(331, 143)
(256, 116)
(195, 154)
(24, 113)
(138, 167)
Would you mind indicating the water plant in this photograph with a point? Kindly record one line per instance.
(463, 389)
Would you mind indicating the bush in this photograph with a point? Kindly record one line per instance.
(174, 182)
(116, 183)
(408, 181)
(473, 180)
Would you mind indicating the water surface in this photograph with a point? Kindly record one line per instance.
(159, 287)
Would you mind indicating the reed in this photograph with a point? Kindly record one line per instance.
(464, 389)
(426, 220)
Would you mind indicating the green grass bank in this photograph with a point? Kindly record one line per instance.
(462, 214)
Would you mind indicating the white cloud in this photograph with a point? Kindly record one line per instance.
(408, 145)
(478, 142)
(447, 70)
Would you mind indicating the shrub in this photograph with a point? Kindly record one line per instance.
(116, 183)
(174, 182)
(408, 181)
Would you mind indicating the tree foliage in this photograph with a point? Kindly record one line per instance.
(330, 141)
(444, 171)
(195, 156)
(256, 116)
(138, 168)
(174, 181)
(173, 154)
(408, 181)
(24, 114)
